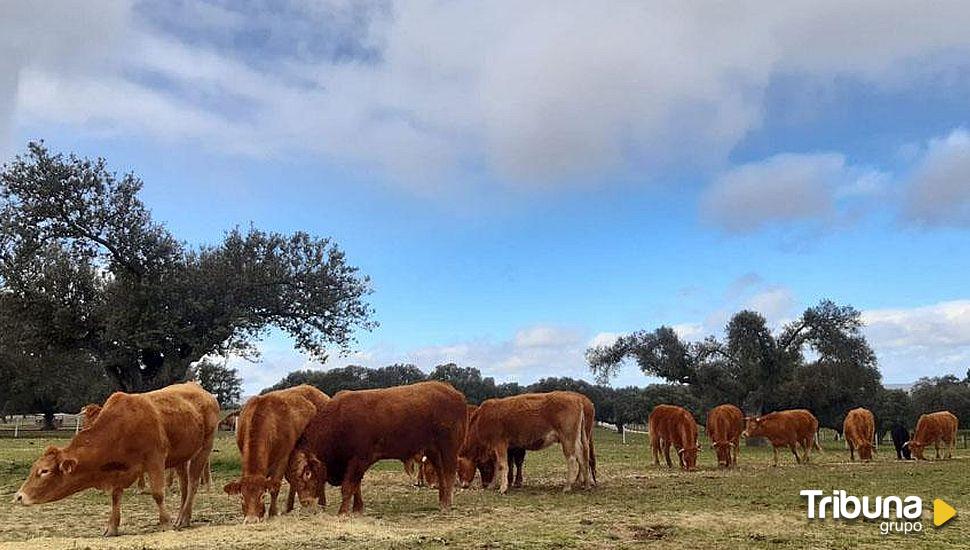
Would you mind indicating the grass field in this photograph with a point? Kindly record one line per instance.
(636, 503)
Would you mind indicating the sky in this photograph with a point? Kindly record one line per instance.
(523, 180)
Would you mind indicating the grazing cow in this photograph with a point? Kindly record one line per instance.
(724, 426)
(531, 421)
(268, 428)
(859, 430)
(786, 429)
(134, 433)
(358, 428)
(672, 425)
(900, 437)
(91, 411)
(931, 429)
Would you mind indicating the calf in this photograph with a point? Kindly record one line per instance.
(358, 428)
(931, 429)
(168, 428)
(267, 430)
(724, 426)
(672, 425)
(900, 437)
(859, 429)
(786, 429)
(531, 421)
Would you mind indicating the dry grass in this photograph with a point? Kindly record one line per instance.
(755, 506)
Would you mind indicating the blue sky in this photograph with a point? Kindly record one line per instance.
(523, 182)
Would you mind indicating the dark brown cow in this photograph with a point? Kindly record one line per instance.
(134, 433)
(786, 429)
(532, 421)
(268, 428)
(358, 428)
(724, 426)
(931, 429)
(672, 425)
(859, 429)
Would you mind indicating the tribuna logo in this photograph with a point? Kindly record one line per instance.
(895, 514)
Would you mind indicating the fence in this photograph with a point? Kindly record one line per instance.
(68, 424)
(32, 425)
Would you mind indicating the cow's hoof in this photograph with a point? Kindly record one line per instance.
(110, 531)
(165, 520)
(181, 523)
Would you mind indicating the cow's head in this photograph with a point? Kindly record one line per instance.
(252, 488)
(689, 456)
(55, 475)
(753, 426)
(307, 476)
(466, 472)
(915, 448)
(429, 472)
(865, 450)
(723, 451)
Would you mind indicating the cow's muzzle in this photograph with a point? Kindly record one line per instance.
(20, 498)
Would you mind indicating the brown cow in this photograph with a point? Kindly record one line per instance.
(358, 428)
(724, 426)
(672, 425)
(786, 428)
(532, 421)
(931, 429)
(91, 411)
(134, 433)
(268, 428)
(859, 429)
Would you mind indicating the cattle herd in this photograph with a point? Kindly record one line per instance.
(305, 437)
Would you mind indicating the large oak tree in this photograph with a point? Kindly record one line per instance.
(152, 305)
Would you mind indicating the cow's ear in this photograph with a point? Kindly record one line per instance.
(68, 465)
(233, 488)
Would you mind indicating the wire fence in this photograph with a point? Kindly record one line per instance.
(68, 424)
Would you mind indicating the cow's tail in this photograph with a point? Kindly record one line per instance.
(592, 458)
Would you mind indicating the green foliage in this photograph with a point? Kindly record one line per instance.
(756, 369)
(220, 381)
(944, 393)
(143, 305)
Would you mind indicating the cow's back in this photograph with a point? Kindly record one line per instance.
(791, 426)
(859, 425)
(188, 414)
(724, 423)
(527, 420)
(391, 423)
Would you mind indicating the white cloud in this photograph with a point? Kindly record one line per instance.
(776, 303)
(938, 193)
(784, 188)
(533, 92)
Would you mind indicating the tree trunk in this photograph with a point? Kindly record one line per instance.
(49, 421)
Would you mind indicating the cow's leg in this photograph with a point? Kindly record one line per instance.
(194, 471)
(182, 470)
(290, 500)
(655, 444)
(794, 451)
(807, 451)
(207, 474)
(500, 478)
(519, 461)
(358, 499)
(447, 472)
(666, 448)
(851, 451)
(936, 445)
(573, 463)
(114, 519)
(348, 489)
(156, 478)
(775, 451)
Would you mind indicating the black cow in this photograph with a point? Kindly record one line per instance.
(900, 436)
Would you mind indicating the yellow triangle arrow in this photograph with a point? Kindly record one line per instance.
(942, 512)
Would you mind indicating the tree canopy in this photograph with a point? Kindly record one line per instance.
(820, 360)
(85, 267)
